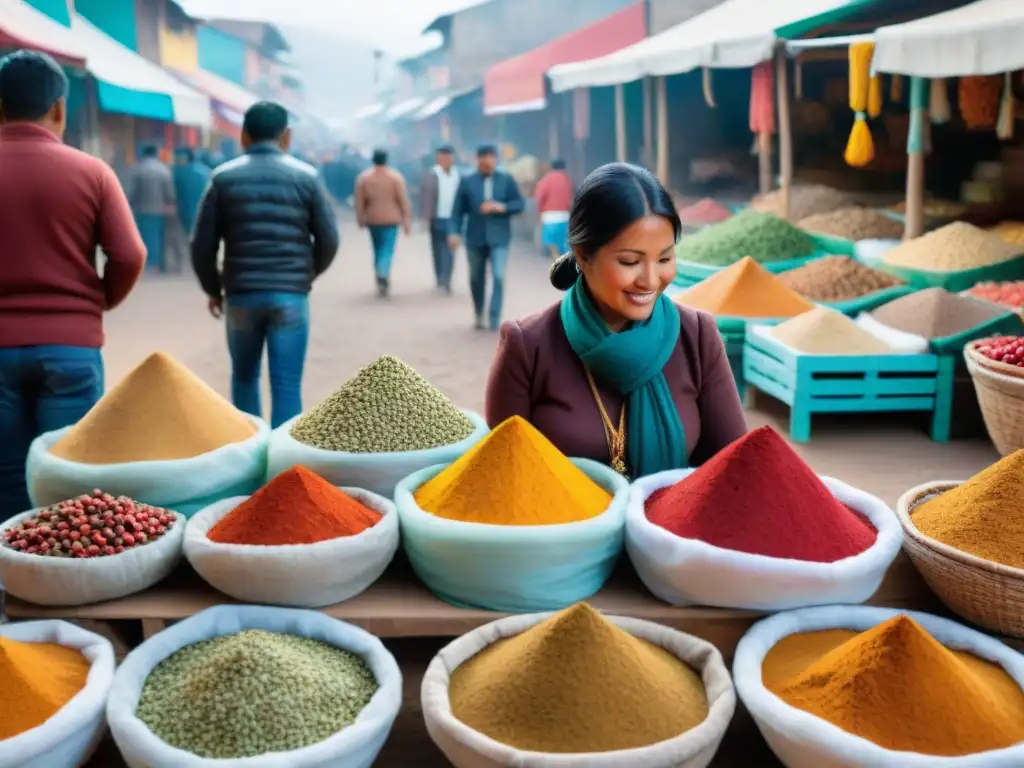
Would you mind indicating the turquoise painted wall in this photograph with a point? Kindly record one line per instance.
(115, 17)
(221, 54)
(55, 9)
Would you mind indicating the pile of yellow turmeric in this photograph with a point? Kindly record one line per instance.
(36, 681)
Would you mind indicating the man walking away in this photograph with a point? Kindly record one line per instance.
(279, 234)
(190, 177)
(57, 205)
(439, 186)
(151, 194)
(382, 206)
(484, 206)
(554, 198)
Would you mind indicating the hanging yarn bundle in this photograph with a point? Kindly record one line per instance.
(762, 99)
(1007, 110)
(709, 94)
(938, 103)
(860, 149)
(979, 101)
(875, 96)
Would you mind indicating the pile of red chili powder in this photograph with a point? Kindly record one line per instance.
(707, 211)
(758, 496)
(296, 507)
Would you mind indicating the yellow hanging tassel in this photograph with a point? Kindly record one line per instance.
(1007, 110)
(896, 89)
(709, 94)
(860, 149)
(938, 106)
(875, 97)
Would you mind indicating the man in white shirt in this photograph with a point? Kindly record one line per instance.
(437, 198)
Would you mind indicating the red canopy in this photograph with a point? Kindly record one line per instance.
(519, 85)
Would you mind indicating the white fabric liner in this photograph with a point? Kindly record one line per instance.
(983, 38)
(403, 108)
(368, 111)
(737, 33)
(114, 64)
(433, 107)
(24, 22)
(901, 343)
(532, 105)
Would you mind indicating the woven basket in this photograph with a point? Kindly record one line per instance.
(1000, 389)
(988, 594)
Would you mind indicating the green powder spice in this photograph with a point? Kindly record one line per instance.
(762, 236)
(255, 692)
(386, 407)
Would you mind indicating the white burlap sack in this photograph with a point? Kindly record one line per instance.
(909, 343)
(67, 581)
(467, 748)
(68, 739)
(354, 747)
(872, 252)
(691, 572)
(184, 485)
(801, 740)
(376, 472)
(302, 576)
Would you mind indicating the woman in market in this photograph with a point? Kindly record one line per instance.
(615, 371)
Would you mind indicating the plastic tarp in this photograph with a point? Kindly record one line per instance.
(518, 84)
(135, 86)
(22, 26)
(737, 33)
(983, 38)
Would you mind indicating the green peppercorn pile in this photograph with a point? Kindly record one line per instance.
(762, 236)
(386, 407)
(254, 692)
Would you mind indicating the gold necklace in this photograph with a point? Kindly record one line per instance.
(616, 437)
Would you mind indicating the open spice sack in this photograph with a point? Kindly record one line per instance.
(328, 693)
(523, 691)
(513, 525)
(755, 528)
(863, 687)
(162, 435)
(54, 679)
(299, 541)
(380, 426)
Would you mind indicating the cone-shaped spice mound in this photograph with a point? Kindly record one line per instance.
(160, 411)
(761, 235)
(296, 507)
(36, 680)
(952, 248)
(577, 683)
(837, 278)
(758, 496)
(898, 687)
(984, 516)
(936, 313)
(746, 289)
(824, 331)
(514, 476)
(706, 211)
(386, 407)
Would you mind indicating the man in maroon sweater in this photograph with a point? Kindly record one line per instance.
(57, 205)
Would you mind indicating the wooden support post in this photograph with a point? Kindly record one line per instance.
(620, 123)
(785, 128)
(663, 148)
(552, 129)
(648, 124)
(913, 225)
(764, 162)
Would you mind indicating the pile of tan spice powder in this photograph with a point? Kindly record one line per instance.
(577, 683)
(385, 408)
(936, 313)
(837, 278)
(160, 411)
(953, 248)
(252, 693)
(804, 200)
(824, 331)
(854, 223)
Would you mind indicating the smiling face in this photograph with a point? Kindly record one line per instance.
(627, 276)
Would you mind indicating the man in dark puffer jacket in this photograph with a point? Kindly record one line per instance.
(279, 234)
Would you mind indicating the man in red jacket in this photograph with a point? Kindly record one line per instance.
(554, 198)
(57, 205)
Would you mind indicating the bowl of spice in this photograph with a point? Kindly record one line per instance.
(89, 549)
(965, 539)
(54, 681)
(253, 685)
(996, 366)
(576, 688)
(514, 525)
(383, 424)
(754, 528)
(864, 687)
(163, 435)
(299, 541)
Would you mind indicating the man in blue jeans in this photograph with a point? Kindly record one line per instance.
(279, 233)
(57, 205)
(484, 205)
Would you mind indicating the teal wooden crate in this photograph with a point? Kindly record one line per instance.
(854, 307)
(734, 343)
(811, 384)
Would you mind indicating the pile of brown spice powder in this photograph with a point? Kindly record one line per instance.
(160, 411)
(936, 313)
(577, 683)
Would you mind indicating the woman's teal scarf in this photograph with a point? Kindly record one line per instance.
(631, 362)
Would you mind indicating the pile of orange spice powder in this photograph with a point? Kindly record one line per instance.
(36, 681)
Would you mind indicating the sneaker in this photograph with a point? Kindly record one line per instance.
(381, 288)
(479, 325)
(385, 287)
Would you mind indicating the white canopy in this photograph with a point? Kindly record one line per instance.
(370, 110)
(433, 107)
(403, 108)
(27, 26)
(983, 38)
(114, 64)
(736, 33)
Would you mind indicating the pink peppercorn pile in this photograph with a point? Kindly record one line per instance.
(93, 525)
(1004, 349)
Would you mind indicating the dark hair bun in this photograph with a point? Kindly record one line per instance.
(564, 273)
